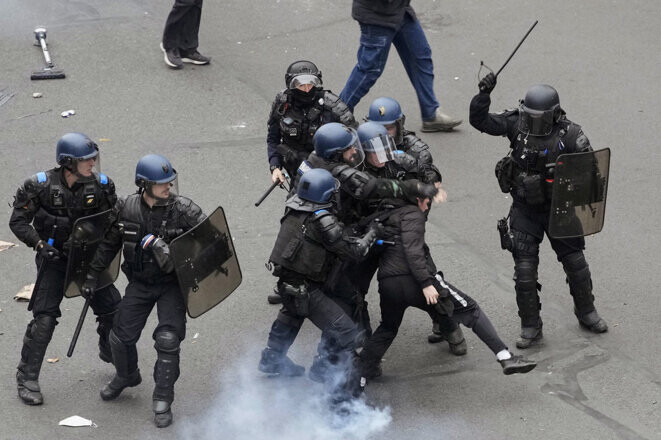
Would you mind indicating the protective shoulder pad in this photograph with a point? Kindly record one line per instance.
(103, 179)
(34, 184)
(190, 210)
(351, 179)
(339, 109)
(41, 177)
(327, 225)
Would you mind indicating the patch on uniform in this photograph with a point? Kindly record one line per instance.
(382, 110)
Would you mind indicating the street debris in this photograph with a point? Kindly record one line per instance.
(77, 421)
(196, 335)
(68, 113)
(52, 360)
(4, 245)
(37, 95)
(25, 293)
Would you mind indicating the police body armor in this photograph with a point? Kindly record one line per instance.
(61, 206)
(298, 251)
(138, 264)
(299, 122)
(528, 170)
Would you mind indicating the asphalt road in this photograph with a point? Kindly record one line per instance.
(211, 122)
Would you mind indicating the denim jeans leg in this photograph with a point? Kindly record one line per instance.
(372, 56)
(414, 50)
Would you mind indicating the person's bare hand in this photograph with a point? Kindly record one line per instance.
(431, 295)
(277, 175)
(441, 196)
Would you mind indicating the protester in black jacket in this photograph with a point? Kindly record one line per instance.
(408, 277)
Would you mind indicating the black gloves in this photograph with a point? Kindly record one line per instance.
(444, 306)
(89, 287)
(487, 84)
(414, 189)
(47, 251)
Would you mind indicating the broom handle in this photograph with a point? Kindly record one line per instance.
(42, 41)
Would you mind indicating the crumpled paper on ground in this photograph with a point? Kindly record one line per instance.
(4, 245)
(25, 293)
(77, 421)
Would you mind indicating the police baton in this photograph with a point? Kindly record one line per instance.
(267, 192)
(79, 326)
(515, 49)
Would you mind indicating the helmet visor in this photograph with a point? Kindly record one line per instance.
(380, 149)
(304, 80)
(164, 193)
(536, 122)
(353, 155)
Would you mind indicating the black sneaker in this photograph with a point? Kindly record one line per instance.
(517, 364)
(194, 57)
(172, 57)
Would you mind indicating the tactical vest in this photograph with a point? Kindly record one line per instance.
(60, 206)
(532, 153)
(135, 226)
(298, 124)
(297, 251)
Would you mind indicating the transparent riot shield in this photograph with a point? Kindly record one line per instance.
(86, 234)
(578, 204)
(206, 264)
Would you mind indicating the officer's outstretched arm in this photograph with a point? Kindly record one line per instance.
(111, 244)
(334, 237)
(362, 186)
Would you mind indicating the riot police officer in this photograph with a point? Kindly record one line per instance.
(44, 210)
(387, 112)
(146, 222)
(382, 159)
(296, 114)
(539, 132)
(310, 241)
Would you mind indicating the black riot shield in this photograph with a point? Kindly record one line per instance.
(578, 204)
(85, 237)
(206, 264)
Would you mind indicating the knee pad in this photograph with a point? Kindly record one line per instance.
(41, 328)
(576, 268)
(525, 274)
(344, 333)
(166, 342)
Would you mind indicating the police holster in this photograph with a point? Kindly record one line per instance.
(504, 169)
(298, 296)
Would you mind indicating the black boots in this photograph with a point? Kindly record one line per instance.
(125, 359)
(274, 362)
(37, 336)
(530, 335)
(103, 329)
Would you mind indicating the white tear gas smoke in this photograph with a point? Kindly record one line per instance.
(251, 406)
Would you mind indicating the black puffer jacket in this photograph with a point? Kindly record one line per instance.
(388, 13)
(409, 255)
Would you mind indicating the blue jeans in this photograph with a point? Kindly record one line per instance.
(413, 49)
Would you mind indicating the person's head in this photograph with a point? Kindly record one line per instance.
(303, 78)
(337, 142)
(156, 178)
(424, 203)
(79, 155)
(317, 185)
(539, 110)
(378, 145)
(388, 112)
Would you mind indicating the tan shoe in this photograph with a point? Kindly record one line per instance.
(441, 122)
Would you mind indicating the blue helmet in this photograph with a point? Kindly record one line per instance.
(378, 145)
(73, 147)
(333, 139)
(317, 185)
(154, 169)
(387, 111)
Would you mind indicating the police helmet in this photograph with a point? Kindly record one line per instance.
(154, 169)
(302, 72)
(387, 111)
(73, 147)
(317, 185)
(333, 139)
(377, 144)
(539, 110)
